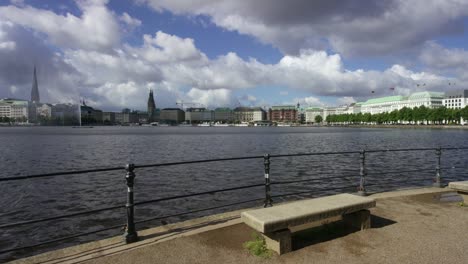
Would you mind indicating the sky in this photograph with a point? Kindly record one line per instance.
(226, 53)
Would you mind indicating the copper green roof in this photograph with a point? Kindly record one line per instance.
(420, 95)
(314, 109)
(386, 99)
(12, 101)
(283, 107)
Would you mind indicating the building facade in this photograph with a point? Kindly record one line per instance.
(283, 113)
(172, 116)
(249, 114)
(199, 115)
(89, 115)
(108, 117)
(224, 115)
(15, 109)
(311, 113)
(390, 103)
(455, 99)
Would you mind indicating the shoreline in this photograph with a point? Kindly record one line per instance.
(403, 126)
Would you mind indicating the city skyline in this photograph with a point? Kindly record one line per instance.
(230, 53)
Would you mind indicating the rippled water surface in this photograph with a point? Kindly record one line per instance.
(37, 150)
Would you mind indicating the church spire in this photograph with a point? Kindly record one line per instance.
(151, 107)
(35, 89)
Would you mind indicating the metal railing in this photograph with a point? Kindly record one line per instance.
(131, 234)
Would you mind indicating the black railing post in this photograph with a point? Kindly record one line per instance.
(437, 182)
(266, 163)
(130, 232)
(362, 173)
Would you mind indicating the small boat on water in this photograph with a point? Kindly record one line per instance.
(220, 125)
(204, 124)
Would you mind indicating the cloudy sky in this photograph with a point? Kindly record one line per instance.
(229, 52)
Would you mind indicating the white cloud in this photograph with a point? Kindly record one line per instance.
(347, 100)
(211, 98)
(436, 56)
(348, 27)
(117, 75)
(96, 29)
(126, 18)
(17, 2)
(13, 89)
(311, 101)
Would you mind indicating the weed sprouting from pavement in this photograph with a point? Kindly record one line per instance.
(257, 246)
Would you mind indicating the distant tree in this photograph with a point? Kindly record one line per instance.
(464, 113)
(318, 119)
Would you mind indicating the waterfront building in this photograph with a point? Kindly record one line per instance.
(15, 109)
(300, 114)
(172, 115)
(311, 113)
(61, 111)
(90, 115)
(354, 108)
(224, 115)
(143, 117)
(108, 117)
(126, 117)
(397, 102)
(249, 114)
(198, 115)
(455, 99)
(283, 113)
(151, 108)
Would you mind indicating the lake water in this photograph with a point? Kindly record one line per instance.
(37, 150)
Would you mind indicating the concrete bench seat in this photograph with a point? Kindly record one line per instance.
(275, 222)
(460, 186)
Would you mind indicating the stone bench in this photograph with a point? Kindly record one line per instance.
(275, 222)
(460, 186)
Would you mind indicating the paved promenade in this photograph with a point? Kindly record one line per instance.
(410, 226)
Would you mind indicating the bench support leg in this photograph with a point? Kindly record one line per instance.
(279, 241)
(359, 219)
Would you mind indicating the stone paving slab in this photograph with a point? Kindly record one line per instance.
(459, 186)
(280, 217)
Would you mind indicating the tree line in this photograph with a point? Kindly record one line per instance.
(417, 115)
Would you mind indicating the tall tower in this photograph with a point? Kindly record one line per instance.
(35, 89)
(151, 107)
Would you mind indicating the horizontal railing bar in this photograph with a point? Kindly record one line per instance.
(196, 161)
(200, 193)
(59, 174)
(62, 239)
(196, 211)
(61, 216)
(454, 148)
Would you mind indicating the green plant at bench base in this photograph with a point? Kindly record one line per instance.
(257, 246)
(462, 204)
